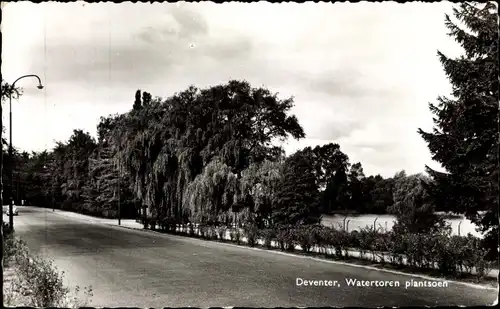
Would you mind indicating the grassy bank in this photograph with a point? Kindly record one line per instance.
(31, 281)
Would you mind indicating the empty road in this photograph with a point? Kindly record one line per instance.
(143, 269)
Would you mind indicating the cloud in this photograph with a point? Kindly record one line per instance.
(348, 83)
(361, 74)
(384, 146)
(184, 30)
(335, 130)
(110, 58)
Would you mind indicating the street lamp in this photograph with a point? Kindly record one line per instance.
(11, 199)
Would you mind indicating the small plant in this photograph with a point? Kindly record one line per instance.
(191, 229)
(152, 224)
(306, 237)
(235, 235)
(212, 233)
(76, 301)
(250, 231)
(38, 283)
(285, 238)
(268, 235)
(203, 230)
(221, 232)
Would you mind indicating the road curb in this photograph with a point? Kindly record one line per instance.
(476, 286)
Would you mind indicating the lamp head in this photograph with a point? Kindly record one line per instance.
(40, 86)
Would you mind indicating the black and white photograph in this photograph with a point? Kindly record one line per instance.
(249, 154)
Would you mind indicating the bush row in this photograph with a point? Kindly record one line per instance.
(451, 255)
(37, 282)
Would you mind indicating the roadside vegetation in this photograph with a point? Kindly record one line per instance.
(31, 281)
(206, 158)
(437, 254)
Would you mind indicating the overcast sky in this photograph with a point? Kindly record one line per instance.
(362, 74)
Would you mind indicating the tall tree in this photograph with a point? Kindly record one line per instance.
(465, 137)
(382, 195)
(297, 193)
(74, 160)
(137, 103)
(356, 178)
(327, 160)
(335, 196)
(167, 144)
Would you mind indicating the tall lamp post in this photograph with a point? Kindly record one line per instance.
(11, 198)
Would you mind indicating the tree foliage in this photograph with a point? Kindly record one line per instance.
(465, 135)
(297, 193)
(412, 206)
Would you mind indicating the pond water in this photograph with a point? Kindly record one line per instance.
(356, 222)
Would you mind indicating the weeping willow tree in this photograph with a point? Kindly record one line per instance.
(210, 193)
(185, 154)
(258, 186)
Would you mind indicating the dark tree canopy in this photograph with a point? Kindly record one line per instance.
(297, 193)
(465, 136)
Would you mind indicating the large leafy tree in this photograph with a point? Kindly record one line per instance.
(106, 190)
(378, 194)
(327, 160)
(34, 179)
(71, 163)
(335, 197)
(465, 137)
(166, 144)
(329, 167)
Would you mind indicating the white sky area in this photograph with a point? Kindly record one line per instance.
(362, 74)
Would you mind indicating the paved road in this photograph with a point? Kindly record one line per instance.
(143, 269)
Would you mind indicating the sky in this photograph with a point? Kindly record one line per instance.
(362, 74)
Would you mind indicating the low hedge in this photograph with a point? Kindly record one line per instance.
(451, 255)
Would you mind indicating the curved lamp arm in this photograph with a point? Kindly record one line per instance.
(40, 86)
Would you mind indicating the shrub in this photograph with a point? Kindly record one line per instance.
(397, 247)
(221, 232)
(412, 248)
(172, 226)
(477, 257)
(424, 257)
(235, 235)
(152, 224)
(145, 222)
(203, 230)
(284, 237)
(212, 232)
(163, 224)
(355, 239)
(445, 258)
(365, 238)
(250, 231)
(268, 235)
(191, 229)
(38, 282)
(306, 237)
(324, 240)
